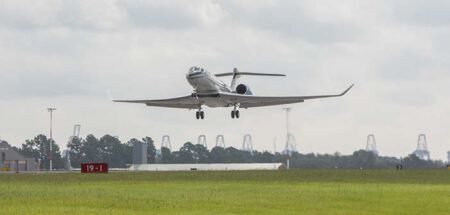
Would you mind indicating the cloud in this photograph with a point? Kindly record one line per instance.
(422, 12)
(67, 53)
(290, 19)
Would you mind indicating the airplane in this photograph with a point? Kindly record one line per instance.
(212, 92)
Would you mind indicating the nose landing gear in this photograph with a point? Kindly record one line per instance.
(200, 114)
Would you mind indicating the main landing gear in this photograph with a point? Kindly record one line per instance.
(235, 113)
(200, 114)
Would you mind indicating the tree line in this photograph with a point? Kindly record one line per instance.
(117, 154)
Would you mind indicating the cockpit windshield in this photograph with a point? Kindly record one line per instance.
(196, 71)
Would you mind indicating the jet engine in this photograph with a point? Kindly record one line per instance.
(243, 90)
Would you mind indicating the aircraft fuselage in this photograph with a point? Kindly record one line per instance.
(206, 86)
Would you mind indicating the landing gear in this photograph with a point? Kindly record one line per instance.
(194, 94)
(235, 113)
(200, 114)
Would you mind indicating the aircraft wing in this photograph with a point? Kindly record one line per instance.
(246, 101)
(186, 102)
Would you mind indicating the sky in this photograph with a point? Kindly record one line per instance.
(67, 54)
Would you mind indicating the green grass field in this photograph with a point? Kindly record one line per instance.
(246, 192)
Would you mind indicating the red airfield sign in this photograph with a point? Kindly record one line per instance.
(94, 168)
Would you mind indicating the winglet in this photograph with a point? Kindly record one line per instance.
(348, 89)
(108, 93)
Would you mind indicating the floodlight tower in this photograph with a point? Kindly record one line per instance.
(220, 141)
(166, 142)
(202, 140)
(51, 109)
(247, 144)
(422, 148)
(371, 145)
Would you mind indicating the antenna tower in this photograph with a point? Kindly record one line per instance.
(166, 142)
(290, 139)
(422, 148)
(202, 140)
(247, 144)
(371, 145)
(220, 141)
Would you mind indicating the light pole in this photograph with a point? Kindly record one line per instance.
(51, 136)
(288, 147)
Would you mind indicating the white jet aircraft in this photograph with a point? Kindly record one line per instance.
(212, 92)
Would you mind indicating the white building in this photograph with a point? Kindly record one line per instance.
(206, 167)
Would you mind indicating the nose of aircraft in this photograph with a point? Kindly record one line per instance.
(193, 71)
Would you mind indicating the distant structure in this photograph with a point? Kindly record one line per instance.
(166, 142)
(247, 144)
(66, 153)
(371, 145)
(448, 157)
(202, 141)
(220, 141)
(140, 153)
(291, 145)
(158, 156)
(11, 160)
(422, 148)
(66, 158)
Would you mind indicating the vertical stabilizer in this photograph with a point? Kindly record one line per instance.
(236, 76)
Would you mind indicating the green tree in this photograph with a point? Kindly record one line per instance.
(364, 159)
(151, 149)
(265, 157)
(238, 156)
(39, 148)
(201, 154)
(75, 147)
(218, 155)
(412, 161)
(186, 154)
(90, 150)
(166, 155)
(116, 154)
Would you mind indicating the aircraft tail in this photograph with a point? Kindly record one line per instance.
(236, 75)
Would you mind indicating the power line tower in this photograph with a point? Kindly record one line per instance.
(247, 143)
(291, 145)
(371, 145)
(220, 141)
(66, 153)
(422, 148)
(202, 141)
(166, 142)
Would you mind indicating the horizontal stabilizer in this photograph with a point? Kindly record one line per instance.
(247, 73)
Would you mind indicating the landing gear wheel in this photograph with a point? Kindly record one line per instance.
(197, 115)
(237, 114)
(233, 114)
(202, 114)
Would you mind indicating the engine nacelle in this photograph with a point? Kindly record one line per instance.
(243, 90)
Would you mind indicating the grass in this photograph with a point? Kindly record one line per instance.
(246, 192)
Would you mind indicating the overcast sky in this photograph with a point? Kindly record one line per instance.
(66, 54)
